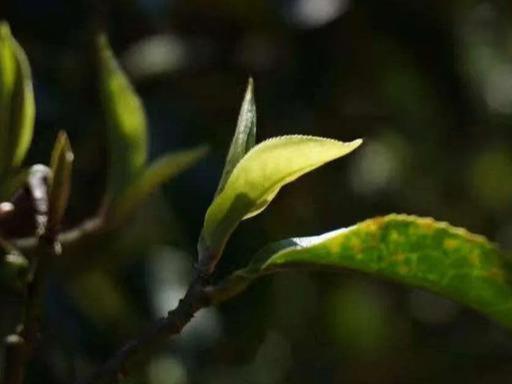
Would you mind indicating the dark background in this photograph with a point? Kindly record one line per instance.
(428, 84)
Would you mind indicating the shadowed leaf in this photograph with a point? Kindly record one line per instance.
(60, 187)
(13, 269)
(158, 173)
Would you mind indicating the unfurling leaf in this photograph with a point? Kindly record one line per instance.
(418, 252)
(126, 121)
(60, 186)
(156, 174)
(17, 107)
(244, 137)
(256, 180)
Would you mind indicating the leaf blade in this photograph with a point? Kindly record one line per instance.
(244, 138)
(17, 104)
(160, 171)
(126, 121)
(256, 180)
(418, 252)
(61, 165)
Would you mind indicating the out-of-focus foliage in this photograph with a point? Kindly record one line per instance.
(17, 109)
(126, 122)
(130, 181)
(61, 164)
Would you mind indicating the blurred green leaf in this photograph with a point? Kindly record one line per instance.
(256, 180)
(102, 298)
(245, 135)
(160, 171)
(60, 187)
(126, 120)
(17, 106)
(419, 252)
(14, 267)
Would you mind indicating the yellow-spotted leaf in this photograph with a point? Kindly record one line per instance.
(255, 181)
(156, 174)
(126, 122)
(418, 252)
(17, 106)
(60, 186)
(244, 137)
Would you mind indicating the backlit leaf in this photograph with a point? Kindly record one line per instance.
(256, 180)
(418, 252)
(244, 137)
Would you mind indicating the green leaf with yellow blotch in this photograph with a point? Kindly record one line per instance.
(160, 171)
(419, 252)
(255, 181)
(17, 106)
(126, 122)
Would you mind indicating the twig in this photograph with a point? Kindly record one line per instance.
(85, 228)
(20, 345)
(199, 295)
(117, 366)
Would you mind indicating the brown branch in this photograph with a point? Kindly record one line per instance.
(70, 236)
(118, 365)
(20, 345)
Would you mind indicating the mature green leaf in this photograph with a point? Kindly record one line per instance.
(245, 135)
(60, 187)
(416, 251)
(17, 106)
(126, 120)
(256, 180)
(159, 172)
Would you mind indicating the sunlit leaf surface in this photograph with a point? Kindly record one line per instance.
(419, 252)
(258, 177)
(244, 137)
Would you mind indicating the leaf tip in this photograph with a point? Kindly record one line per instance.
(250, 85)
(5, 30)
(356, 143)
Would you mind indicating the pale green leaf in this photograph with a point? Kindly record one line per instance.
(244, 137)
(126, 122)
(60, 186)
(159, 172)
(418, 252)
(256, 180)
